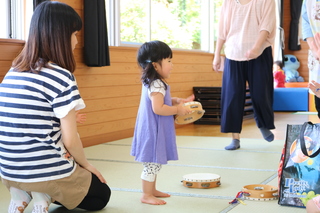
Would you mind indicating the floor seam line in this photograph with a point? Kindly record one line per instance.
(185, 165)
(177, 194)
(210, 149)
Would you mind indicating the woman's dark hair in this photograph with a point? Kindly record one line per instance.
(153, 51)
(51, 27)
(279, 63)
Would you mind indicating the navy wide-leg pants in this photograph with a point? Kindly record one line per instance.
(258, 74)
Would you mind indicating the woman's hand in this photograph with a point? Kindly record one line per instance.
(253, 53)
(216, 63)
(80, 117)
(73, 143)
(93, 170)
(315, 88)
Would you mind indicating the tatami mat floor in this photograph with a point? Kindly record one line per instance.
(255, 163)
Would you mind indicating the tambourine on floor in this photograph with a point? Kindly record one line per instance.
(196, 113)
(201, 180)
(260, 192)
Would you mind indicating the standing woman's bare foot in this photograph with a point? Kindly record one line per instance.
(157, 193)
(150, 199)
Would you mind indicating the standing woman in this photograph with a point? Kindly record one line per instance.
(247, 29)
(41, 155)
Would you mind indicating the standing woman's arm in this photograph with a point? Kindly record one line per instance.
(257, 48)
(267, 28)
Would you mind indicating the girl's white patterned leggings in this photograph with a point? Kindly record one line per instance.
(150, 171)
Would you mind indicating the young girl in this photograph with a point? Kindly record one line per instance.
(154, 141)
(41, 155)
(278, 75)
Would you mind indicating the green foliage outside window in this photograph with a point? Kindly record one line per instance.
(179, 23)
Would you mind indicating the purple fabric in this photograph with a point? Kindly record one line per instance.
(154, 137)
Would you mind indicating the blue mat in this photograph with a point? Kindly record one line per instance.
(291, 99)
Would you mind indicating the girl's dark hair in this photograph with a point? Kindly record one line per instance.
(279, 63)
(51, 27)
(153, 51)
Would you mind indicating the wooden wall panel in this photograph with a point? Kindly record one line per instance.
(9, 49)
(4, 66)
(106, 104)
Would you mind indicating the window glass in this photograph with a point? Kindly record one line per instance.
(216, 14)
(177, 23)
(134, 21)
(15, 18)
(184, 24)
(4, 19)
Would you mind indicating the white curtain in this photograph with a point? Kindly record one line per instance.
(279, 40)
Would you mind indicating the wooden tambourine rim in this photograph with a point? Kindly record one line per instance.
(201, 183)
(196, 114)
(260, 192)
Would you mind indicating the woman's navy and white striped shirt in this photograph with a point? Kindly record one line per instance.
(31, 105)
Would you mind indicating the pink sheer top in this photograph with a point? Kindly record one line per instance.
(240, 25)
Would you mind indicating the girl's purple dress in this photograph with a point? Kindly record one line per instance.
(154, 137)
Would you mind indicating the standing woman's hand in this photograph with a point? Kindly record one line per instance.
(253, 53)
(216, 64)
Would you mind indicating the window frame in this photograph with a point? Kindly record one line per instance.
(15, 18)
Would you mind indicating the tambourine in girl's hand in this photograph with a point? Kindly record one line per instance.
(196, 113)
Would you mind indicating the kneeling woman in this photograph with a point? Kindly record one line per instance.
(41, 154)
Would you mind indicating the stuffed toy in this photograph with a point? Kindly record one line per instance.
(290, 68)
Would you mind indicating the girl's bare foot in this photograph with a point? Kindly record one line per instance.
(160, 194)
(149, 199)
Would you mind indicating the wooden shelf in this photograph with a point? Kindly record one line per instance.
(210, 98)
